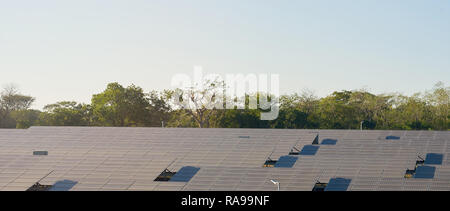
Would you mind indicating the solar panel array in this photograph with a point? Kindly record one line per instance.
(338, 184)
(104, 158)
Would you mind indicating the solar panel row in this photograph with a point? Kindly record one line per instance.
(85, 158)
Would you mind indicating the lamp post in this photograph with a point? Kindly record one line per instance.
(276, 183)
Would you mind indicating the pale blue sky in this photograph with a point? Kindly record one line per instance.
(68, 50)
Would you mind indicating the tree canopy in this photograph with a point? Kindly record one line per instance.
(133, 107)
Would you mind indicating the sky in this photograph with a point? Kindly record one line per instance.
(68, 50)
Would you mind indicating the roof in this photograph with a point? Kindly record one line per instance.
(105, 158)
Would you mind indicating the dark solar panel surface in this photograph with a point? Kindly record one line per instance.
(185, 174)
(425, 172)
(309, 150)
(434, 159)
(104, 158)
(338, 184)
(329, 141)
(286, 161)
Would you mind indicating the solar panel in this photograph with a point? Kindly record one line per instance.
(39, 187)
(40, 153)
(110, 158)
(316, 140)
(309, 150)
(286, 162)
(392, 137)
(425, 172)
(329, 141)
(434, 159)
(185, 174)
(338, 184)
(63, 185)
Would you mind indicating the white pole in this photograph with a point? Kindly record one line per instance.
(276, 183)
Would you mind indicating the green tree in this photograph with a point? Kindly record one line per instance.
(241, 118)
(25, 118)
(119, 106)
(439, 100)
(66, 113)
(336, 112)
(159, 108)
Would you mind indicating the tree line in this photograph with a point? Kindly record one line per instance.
(131, 106)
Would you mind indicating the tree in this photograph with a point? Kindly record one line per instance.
(11, 100)
(382, 107)
(241, 118)
(119, 106)
(364, 105)
(180, 118)
(300, 111)
(201, 102)
(25, 118)
(336, 112)
(66, 113)
(439, 100)
(159, 107)
(202, 107)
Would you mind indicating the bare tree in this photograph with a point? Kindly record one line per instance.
(12, 100)
(202, 102)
